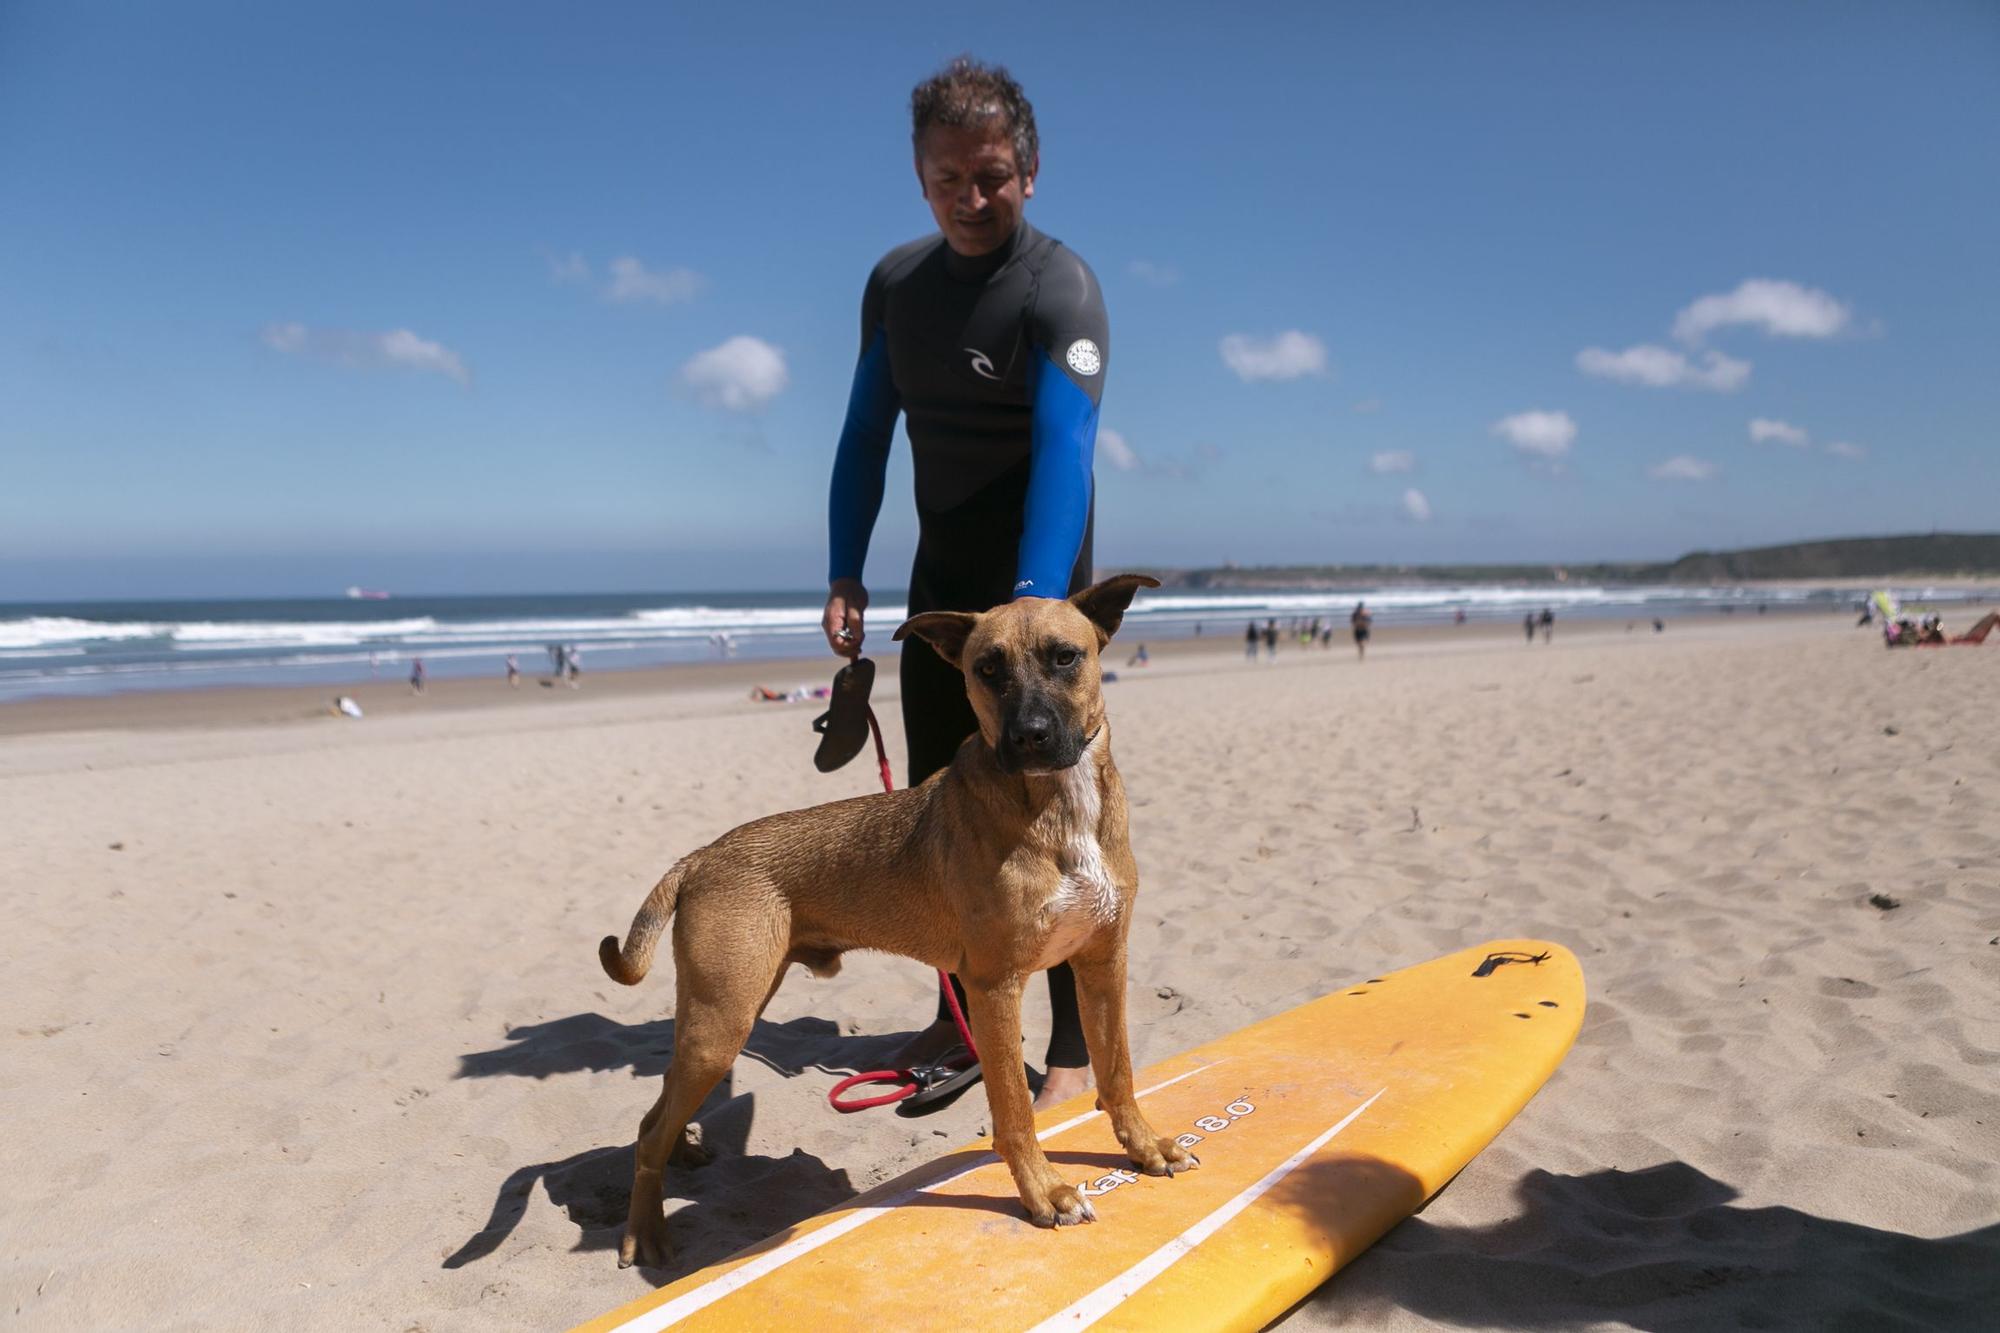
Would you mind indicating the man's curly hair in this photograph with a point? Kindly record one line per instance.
(969, 94)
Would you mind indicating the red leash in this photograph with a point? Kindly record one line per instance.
(908, 1085)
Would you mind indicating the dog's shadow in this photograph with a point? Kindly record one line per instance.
(595, 1187)
(591, 1042)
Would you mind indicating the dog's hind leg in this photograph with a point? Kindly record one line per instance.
(717, 1007)
(1100, 995)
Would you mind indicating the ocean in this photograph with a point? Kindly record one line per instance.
(98, 646)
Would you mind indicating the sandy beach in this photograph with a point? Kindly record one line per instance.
(306, 1027)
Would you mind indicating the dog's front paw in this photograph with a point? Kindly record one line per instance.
(645, 1241)
(1164, 1157)
(1063, 1208)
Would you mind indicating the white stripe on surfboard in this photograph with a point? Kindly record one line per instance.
(708, 1293)
(1089, 1309)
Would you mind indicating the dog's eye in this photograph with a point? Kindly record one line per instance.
(1067, 657)
(987, 670)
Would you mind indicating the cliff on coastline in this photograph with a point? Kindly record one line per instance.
(1864, 559)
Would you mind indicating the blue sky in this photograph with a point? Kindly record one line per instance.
(457, 298)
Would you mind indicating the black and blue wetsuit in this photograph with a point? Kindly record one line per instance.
(997, 365)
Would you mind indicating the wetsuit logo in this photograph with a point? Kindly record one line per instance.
(1083, 357)
(980, 365)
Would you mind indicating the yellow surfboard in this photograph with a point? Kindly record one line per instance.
(1317, 1130)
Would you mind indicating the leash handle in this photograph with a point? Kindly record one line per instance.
(907, 1088)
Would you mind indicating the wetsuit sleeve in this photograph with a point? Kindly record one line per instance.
(862, 459)
(1070, 345)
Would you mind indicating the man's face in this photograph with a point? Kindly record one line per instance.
(974, 186)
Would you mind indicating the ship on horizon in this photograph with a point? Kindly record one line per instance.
(360, 594)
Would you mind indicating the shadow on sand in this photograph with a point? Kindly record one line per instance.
(1663, 1249)
(594, 1187)
(592, 1042)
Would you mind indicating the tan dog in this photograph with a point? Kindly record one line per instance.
(1011, 860)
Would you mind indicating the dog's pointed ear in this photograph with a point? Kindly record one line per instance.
(945, 631)
(1105, 602)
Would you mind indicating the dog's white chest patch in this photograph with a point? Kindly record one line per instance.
(1086, 900)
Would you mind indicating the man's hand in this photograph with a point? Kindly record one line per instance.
(842, 621)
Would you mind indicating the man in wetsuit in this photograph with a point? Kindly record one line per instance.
(991, 340)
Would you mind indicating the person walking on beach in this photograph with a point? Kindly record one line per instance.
(1528, 627)
(1548, 625)
(416, 675)
(990, 339)
(513, 673)
(1271, 639)
(573, 661)
(1250, 642)
(1361, 621)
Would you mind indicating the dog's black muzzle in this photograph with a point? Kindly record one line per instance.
(1036, 739)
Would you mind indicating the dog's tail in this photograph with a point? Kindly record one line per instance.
(628, 966)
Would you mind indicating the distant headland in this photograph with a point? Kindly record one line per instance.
(1931, 555)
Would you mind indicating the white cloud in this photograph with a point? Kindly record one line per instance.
(1290, 355)
(628, 281)
(396, 349)
(1157, 275)
(1415, 506)
(633, 281)
(1682, 468)
(1843, 449)
(570, 270)
(1392, 460)
(1118, 453)
(1115, 449)
(1543, 435)
(1782, 309)
(741, 375)
(1662, 367)
(1765, 429)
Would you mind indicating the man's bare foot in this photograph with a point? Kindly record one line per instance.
(1062, 1083)
(939, 1039)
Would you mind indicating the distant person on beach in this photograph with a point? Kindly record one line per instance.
(990, 339)
(1361, 622)
(1250, 642)
(573, 660)
(416, 675)
(1929, 632)
(1528, 626)
(1140, 658)
(1271, 639)
(1458, 616)
(513, 673)
(1548, 625)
